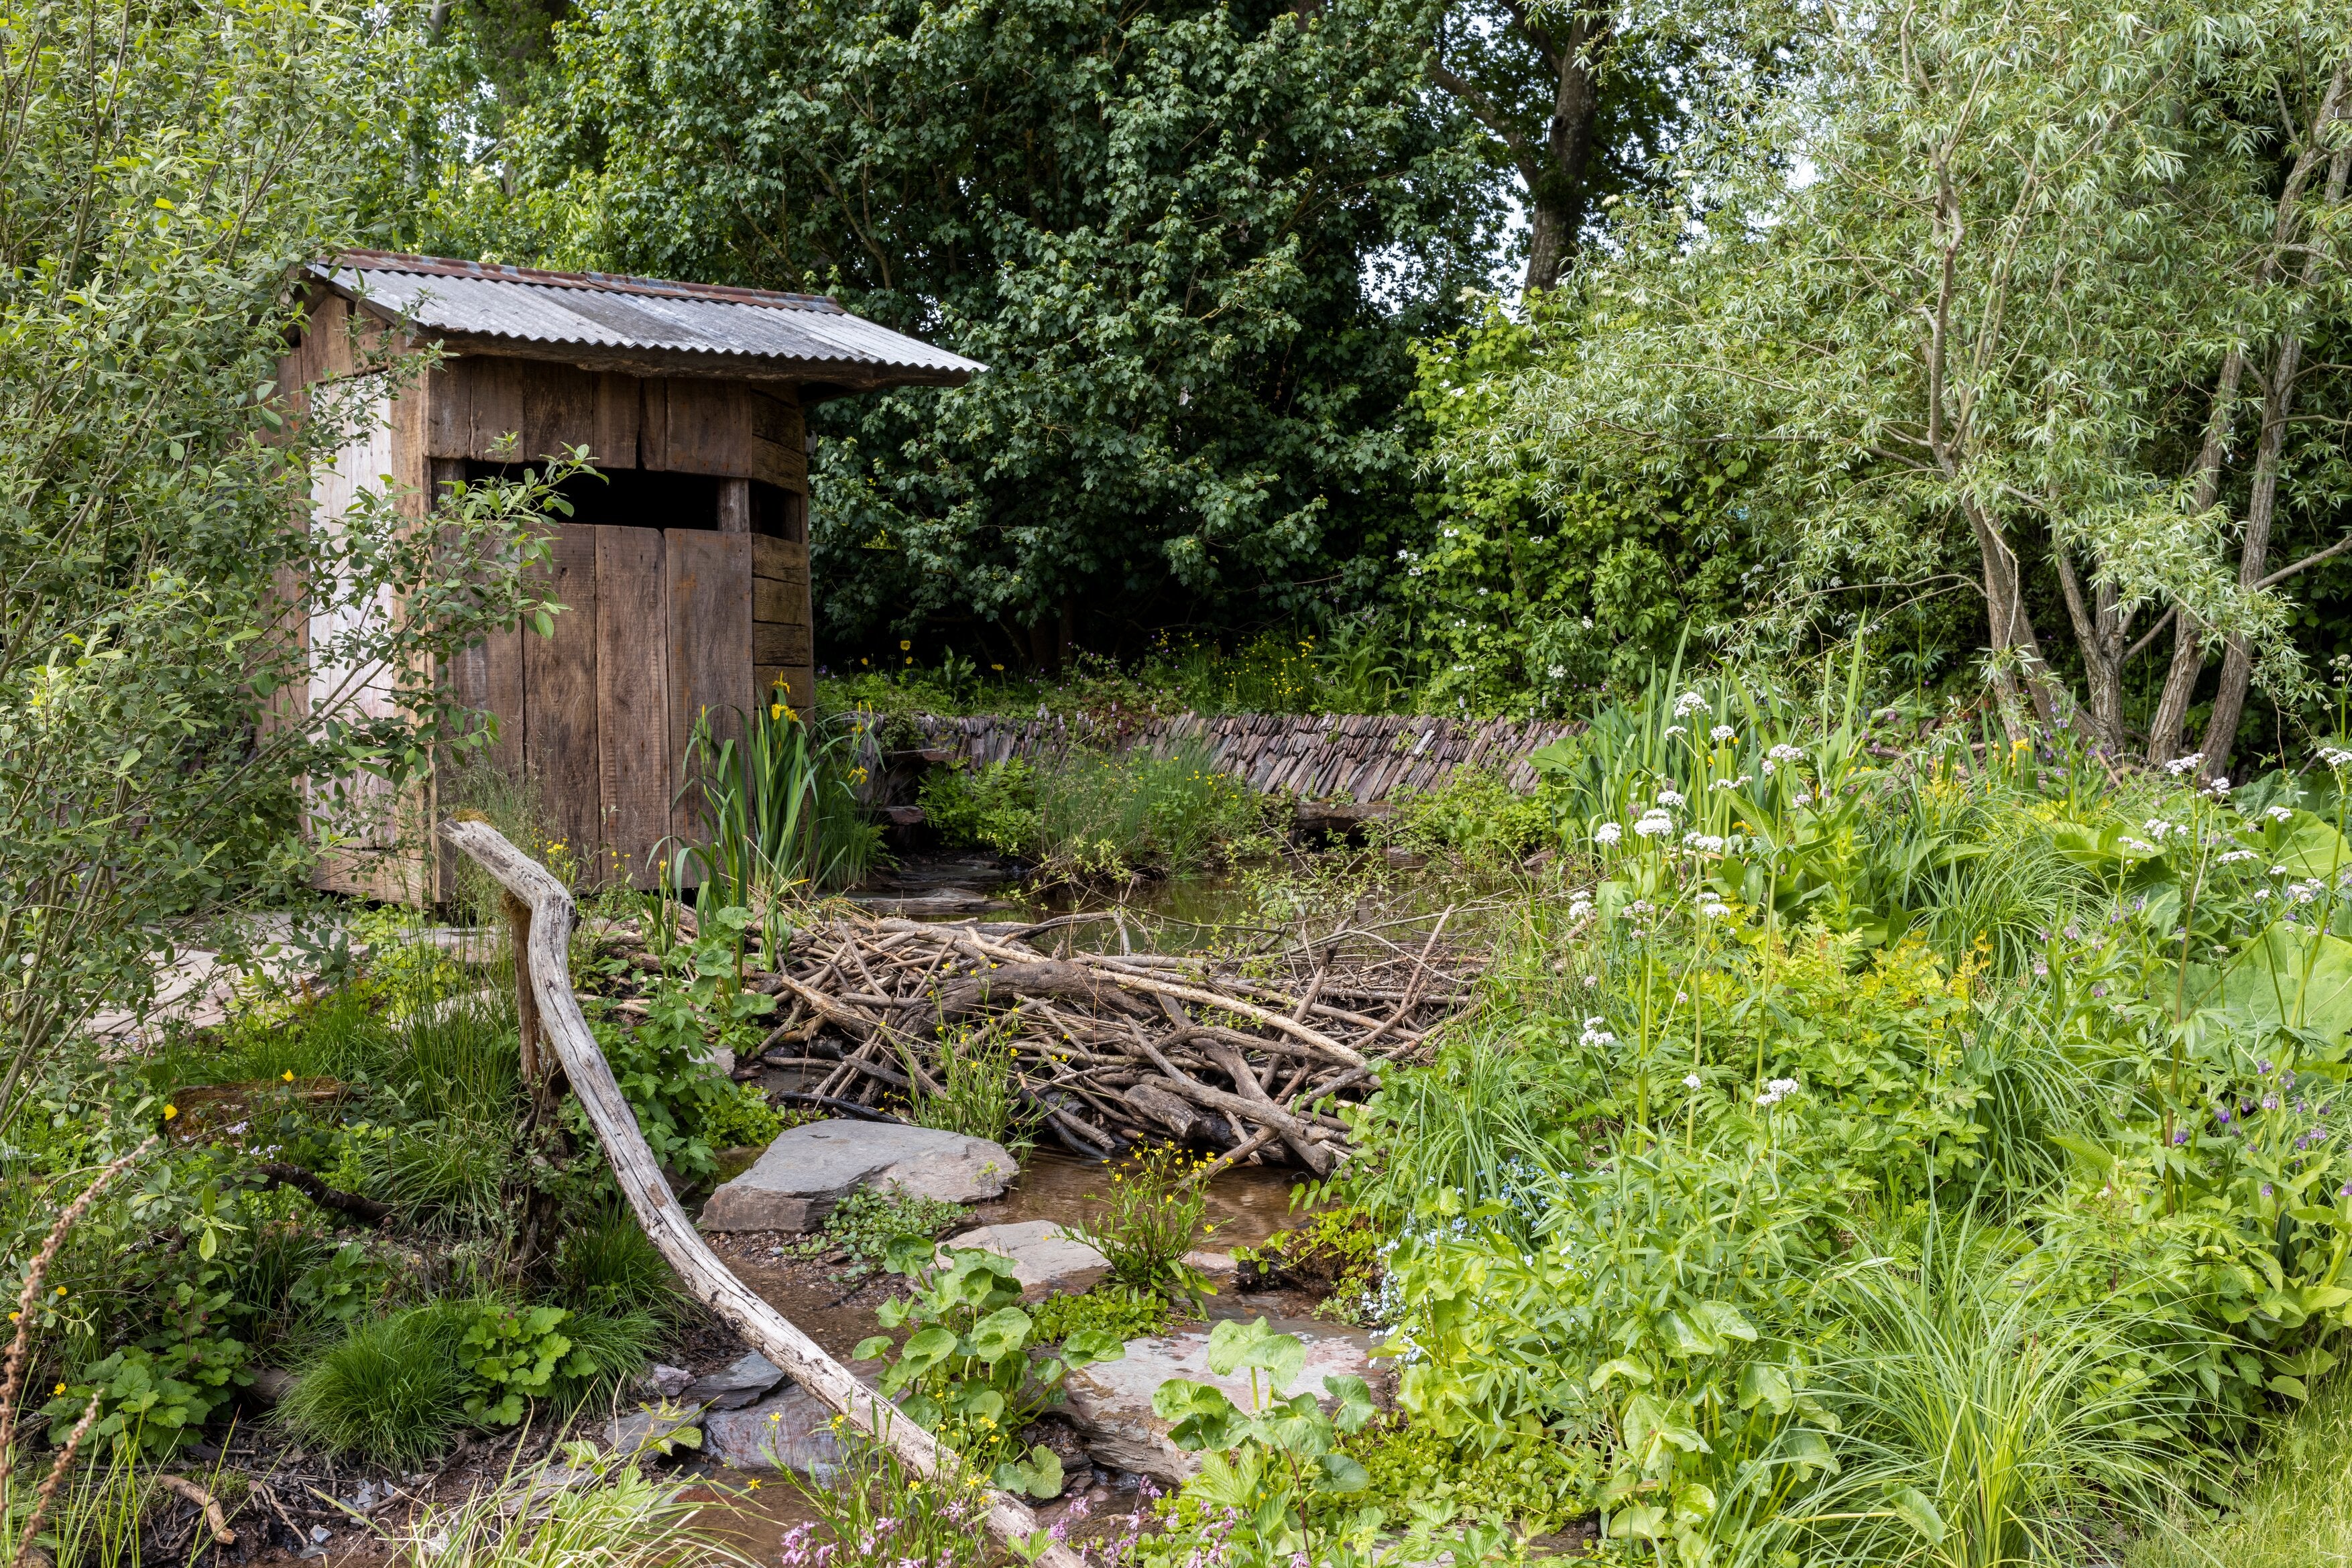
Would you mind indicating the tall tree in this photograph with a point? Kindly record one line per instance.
(1193, 243)
(1974, 330)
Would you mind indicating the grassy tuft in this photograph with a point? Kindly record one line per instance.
(2296, 1512)
(390, 1393)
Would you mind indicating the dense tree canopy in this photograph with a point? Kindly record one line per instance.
(1192, 241)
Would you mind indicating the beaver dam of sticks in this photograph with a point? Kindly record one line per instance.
(1249, 1049)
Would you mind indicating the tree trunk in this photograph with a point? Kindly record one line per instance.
(2010, 627)
(2254, 557)
(1556, 191)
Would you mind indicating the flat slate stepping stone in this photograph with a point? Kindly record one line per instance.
(739, 1382)
(1110, 1402)
(811, 1168)
(1047, 1259)
(789, 1430)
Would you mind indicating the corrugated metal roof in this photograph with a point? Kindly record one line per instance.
(600, 312)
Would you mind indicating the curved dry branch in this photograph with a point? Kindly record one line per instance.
(665, 1224)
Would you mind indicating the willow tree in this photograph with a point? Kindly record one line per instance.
(2003, 313)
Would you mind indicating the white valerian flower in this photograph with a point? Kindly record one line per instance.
(2335, 755)
(2260, 893)
(1780, 1088)
(2304, 892)
(2278, 814)
(1714, 909)
(1784, 752)
(2142, 845)
(2158, 827)
(1720, 732)
(1588, 623)
(2188, 764)
(1669, 798)
(1608, 833)
(1692, 1082)
(1804, 798)
(1558, 671)
(1596, 1034)
(2234, 856)
(2219, 787)
(1770, 767)
(1653, 822)
(2278, 871)
(1688, 703)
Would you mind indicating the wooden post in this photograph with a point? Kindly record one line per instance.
(734, 506)
(546, 960)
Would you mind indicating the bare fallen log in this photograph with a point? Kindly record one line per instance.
(550, 916)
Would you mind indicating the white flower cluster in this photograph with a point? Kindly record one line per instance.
(1579, 903)
(1669, 798)
(1688, 703)
(2158, 827)
(2278, 814)
(1607, 833)
(1784, 752)
(2141, 845)
(1740, 783)
(1692, 1082)
(1654, 821)
(1720, 732)
(2234, 856)
(1712, 908)
(1596, 1034)
(2304, 892)
(2188, 764)
(2336, 757)
(1706, 843)
(1780, 1088)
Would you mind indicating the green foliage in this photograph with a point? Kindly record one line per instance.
(1086, 812)
(606, 1264)
(979, 1093)
(514, 1355)
(153, 1397)
(626, 1518)
(1532, 582)
(1338, 1253)
(994, 807)
(1149, 1220)
(1264, 1462)
(779, 806)
(390, 1392)
(2296, 1506)
(970, 1371)
(666, 1066)
(1200, 368)
(1531, 1480)
(1472, 813)
(742, 1120)
(876, 1499)
(866, 1221)
(1117, 1311)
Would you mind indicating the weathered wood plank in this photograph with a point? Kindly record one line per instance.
(734, 506)
(633, 738)
(710, 578)
(559, 700)
(779, 642)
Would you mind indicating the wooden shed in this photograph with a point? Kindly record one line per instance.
(685, 571)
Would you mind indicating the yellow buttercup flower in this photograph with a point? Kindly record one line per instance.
(61, 1388)
(170, 1112)
(290, 1075)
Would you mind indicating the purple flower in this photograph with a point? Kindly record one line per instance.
(2264, 1066)
(2180, 1137)
(2267, 1189)
(2345, 1191)
(2098, 990)
(2221, 1115)
(2270, 1102)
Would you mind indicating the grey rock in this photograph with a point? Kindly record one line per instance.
(668, 1382)
(1047, 1259)
(1216, 1265)
(791, 1430)
(807, 1170)
(270, 1385)
(736, 1385)
(1110, 1402)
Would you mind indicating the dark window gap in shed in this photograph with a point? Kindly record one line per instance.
(646, 498)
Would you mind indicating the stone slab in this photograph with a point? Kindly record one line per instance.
(1110, 1402)
(811, 1168)
(1047, 1259)
(789, 1430)
(739, 1383)
(650, 1426)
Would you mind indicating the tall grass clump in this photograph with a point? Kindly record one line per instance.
(977, 1094)
(1086, 812)
(605, 1264)
(624, 1519)
(779, 806)
(390, 1392)
(1979, 1428)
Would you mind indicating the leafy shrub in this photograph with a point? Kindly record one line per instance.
(866, 1221)
(1529, 1478)
(978, 1095)
(1338, 1253)
(1149, 1220)
(992, 808)
(513, 1355)
(741, 1120)
(390, 1392)
(1474, 813)
(967, 1371)
(1119, 1311)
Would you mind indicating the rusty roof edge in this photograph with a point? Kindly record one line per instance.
(902, 372)
(366, 261)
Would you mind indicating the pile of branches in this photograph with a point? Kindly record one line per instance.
(1249, 1051)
